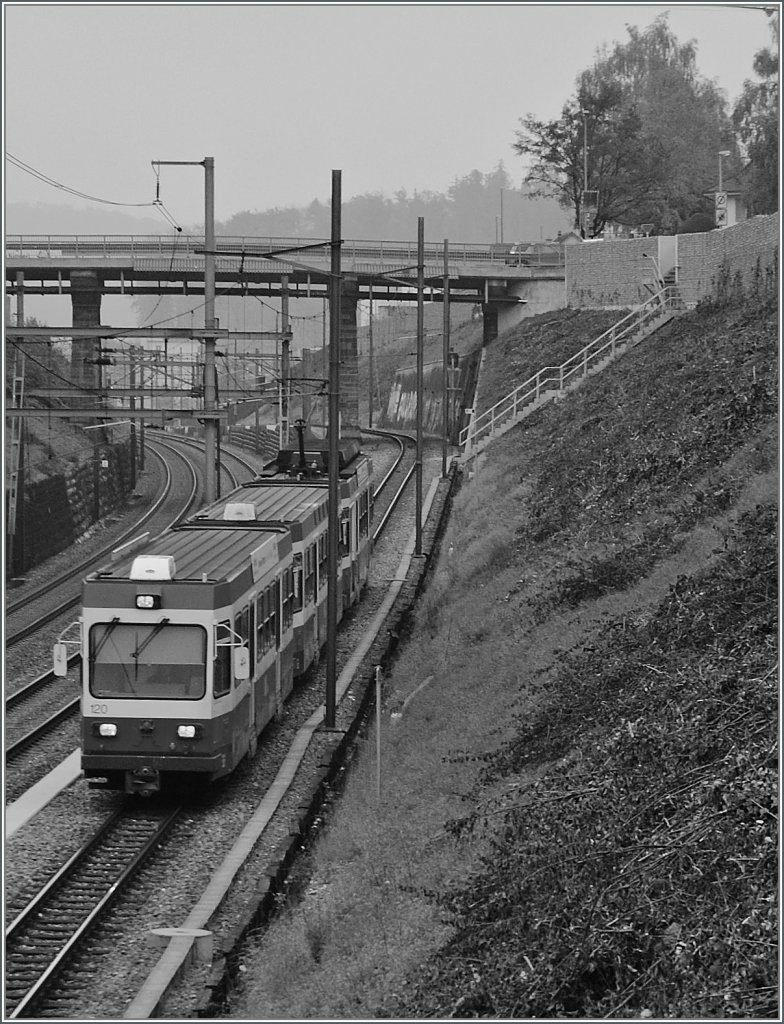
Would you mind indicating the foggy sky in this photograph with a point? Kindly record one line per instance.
(396, 96)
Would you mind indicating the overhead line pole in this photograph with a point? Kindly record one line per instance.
(445, 384)
(334, 455)
(420, 374)
(210, 392)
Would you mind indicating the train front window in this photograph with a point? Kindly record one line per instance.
(149, 660)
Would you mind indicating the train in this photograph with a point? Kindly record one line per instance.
(191, 643)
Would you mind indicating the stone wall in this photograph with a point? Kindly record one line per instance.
(742, 259)
(401, 410)
(607, 275)
(57, 511)
(614, 274)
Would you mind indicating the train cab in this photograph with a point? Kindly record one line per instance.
(186, 655)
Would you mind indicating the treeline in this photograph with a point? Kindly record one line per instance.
(480, 207)
(644, 136)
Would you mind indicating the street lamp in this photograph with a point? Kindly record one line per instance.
(585, 166)
(723, 152)
(502, 216)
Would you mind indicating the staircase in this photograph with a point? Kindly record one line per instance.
(555, 381)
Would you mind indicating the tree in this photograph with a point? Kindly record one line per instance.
(755, 119)
(653, 125)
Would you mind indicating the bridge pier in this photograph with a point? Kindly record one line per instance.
(539, 295)
(489, 322)
(349, 370)
(86, 293)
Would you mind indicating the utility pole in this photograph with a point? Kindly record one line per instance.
(370, 357)
(16, 489)
(445, 384)
(132, 404)
(333, 580)
(420, 373)
(585, 170)
(285, 368)
(210, 425)
(502, 215)
(210, 396)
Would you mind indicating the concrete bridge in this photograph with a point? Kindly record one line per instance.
(153, 264)
(87, 267)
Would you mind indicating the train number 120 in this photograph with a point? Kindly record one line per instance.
(99, 709)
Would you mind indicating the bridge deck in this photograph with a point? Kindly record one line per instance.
(178, 258)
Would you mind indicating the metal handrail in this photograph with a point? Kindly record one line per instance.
(557, 378)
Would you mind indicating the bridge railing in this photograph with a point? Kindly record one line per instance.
(109, 246)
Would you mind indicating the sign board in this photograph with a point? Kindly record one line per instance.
(721, 210)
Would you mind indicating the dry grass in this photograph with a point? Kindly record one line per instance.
(375, 907)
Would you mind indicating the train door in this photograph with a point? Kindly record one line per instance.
(243, 689)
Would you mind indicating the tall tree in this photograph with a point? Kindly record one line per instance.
(653, 128)
(756, 121)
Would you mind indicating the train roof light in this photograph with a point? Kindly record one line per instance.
(153, 567)
(244, 511)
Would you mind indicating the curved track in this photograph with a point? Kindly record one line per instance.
(83, 567)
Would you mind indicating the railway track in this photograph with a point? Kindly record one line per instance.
(19, 704)
(17, 701)
(77, 571)
(47, 934)
(44, 997)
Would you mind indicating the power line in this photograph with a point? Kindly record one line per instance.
(22, 166)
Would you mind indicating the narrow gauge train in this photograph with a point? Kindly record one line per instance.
(191, 645)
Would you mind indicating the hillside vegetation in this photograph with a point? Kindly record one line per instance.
(579, 816)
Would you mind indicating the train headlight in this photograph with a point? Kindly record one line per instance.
(107, 729)
(189, 732)
(148, 601)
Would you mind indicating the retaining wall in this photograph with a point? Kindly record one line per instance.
(57, 511)
(742, 259)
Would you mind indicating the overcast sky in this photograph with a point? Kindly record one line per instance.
(396, 96)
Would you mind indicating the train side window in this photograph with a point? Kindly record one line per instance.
(345, 532)
(323, 556)
(297, 580)
(275, 610)
(310, 572)
(221, 669)
(250, 634)
(242, 628)
(288, 597)
(364, 514)
(260, 626)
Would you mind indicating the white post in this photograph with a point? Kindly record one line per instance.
(378, 733)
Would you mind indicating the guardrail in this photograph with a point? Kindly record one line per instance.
(113, 246)
(511, 408)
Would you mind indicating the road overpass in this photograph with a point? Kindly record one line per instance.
(87, 267)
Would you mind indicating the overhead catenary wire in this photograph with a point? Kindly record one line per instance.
(28, 169)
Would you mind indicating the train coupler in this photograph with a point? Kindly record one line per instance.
(143, 781)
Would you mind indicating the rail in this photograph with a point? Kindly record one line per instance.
(557, 378)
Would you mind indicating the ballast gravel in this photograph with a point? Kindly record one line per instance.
(110, 970)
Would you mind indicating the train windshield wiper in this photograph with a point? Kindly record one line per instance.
(153, 633)
(99, 646)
